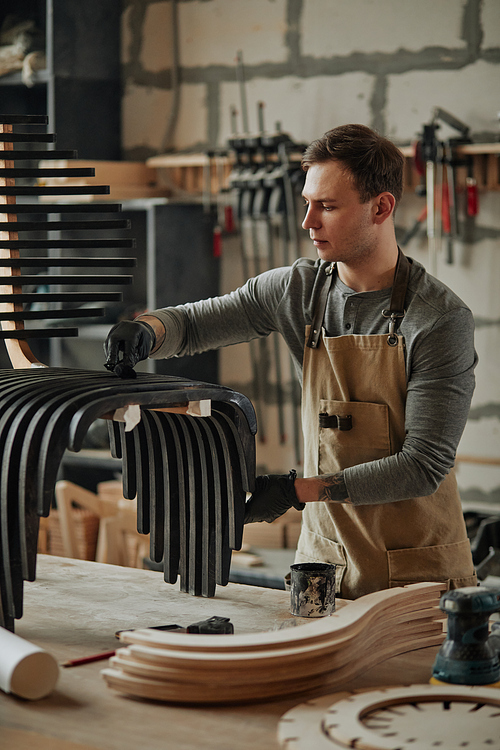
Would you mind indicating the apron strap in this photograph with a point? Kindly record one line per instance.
(396, 309)
(319, 312)
(400, 284)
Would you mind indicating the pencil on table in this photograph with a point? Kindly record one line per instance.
(88, 659)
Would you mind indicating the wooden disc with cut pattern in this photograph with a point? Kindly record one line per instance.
(418, 717)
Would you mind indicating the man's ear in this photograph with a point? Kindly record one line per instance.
(384, 206)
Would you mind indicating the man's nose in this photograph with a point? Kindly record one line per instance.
(311, 219)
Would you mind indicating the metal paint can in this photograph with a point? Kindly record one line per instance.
(312, 589)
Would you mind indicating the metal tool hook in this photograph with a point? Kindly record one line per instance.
(392, 338)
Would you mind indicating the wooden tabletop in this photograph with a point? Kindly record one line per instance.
(75, 607)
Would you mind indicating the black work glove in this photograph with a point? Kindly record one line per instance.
(273, 495)
(133, 339)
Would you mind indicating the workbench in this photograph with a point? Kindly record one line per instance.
(74, 608)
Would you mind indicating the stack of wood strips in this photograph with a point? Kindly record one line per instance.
(315, 657)
(86, 529)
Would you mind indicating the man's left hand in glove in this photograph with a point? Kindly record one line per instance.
(274, 494)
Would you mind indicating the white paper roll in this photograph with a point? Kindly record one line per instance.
(25, 669)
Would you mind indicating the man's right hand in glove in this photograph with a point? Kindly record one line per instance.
(128, 342)
(273, 495)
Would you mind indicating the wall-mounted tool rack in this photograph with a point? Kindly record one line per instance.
(187, 171)
(486, 166)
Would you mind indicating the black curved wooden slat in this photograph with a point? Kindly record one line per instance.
(28, 155)
(74, 312)
(35, 172)
(64, 244)
(66, 208)
(54, 190)
(174, 485)
(62, 297)
(63, 226)
(23, 119)
(157, 492)
(70, 262)
(27, 137)
(23, 334)
(45, 279)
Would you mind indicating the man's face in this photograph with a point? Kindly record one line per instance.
(339, 225)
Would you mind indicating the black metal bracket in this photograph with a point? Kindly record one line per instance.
(335, 421)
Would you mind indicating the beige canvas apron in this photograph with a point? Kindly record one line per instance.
(358, 386)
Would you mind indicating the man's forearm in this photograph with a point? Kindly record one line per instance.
(158, 328)
(328, 488)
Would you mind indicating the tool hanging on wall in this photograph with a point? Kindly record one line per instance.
(242, 184)
(262, 216)
(451, 161)
(293, 183)
(427, 154)
(214, 203)
(265, 183)
(437, 161)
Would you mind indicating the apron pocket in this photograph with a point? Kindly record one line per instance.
(313, 547)
(368, 440)
(448, 563)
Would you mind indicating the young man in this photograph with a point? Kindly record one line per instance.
(387, 359)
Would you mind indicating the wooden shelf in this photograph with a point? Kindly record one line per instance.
(187, 172)
(486, 166)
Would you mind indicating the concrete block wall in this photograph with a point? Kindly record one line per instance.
(316, 64)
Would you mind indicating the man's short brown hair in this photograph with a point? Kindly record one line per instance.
(375, 164)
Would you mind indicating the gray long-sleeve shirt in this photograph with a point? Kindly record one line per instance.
(438, 330)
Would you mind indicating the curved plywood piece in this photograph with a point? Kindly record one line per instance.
(319, 655)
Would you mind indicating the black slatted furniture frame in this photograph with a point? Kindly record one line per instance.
(190, 474)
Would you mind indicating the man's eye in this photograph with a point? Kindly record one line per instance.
(328, 208)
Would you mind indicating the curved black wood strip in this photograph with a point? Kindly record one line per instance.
(64, 208)
(50, 190)
(66, 262)
(13, 172)
(46, 280)
(192, 494)
(27, 155)
(237, 510)
(174, 488)
(36, 333)
(158, 494)
(68, 312)
(207, 510)
(62, 226)
(64, 244)
(142, 447)
(199, 570)
(27, 137)
(115, 445)
(24, 119)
